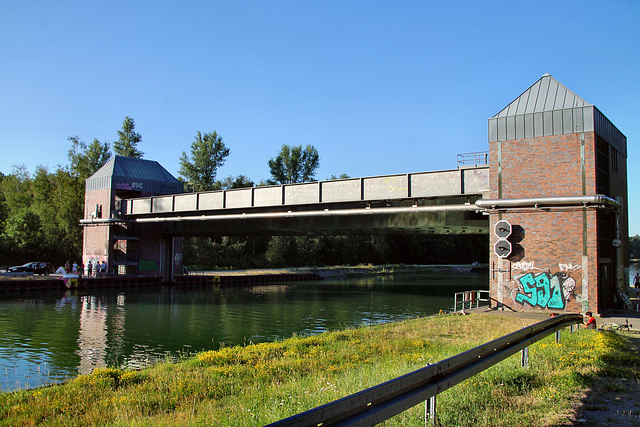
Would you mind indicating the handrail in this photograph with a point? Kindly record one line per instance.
(470, 299)
(383, 401)
(473, 159)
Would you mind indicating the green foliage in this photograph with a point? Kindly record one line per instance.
(39, 216)
(342, 176)
(293, 164)
(85, 161)
(634, 246)
(128, 140)
(230, 182)
(208, 153)
(207, 253)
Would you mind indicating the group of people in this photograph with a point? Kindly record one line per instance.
(93, 268)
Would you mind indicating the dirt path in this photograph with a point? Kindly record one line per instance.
(612, 401)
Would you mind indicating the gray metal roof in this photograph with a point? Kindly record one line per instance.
(547, 94)
(549, 108)
(149, 174)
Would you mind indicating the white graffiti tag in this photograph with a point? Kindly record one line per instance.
(524, 266)
(569, 267)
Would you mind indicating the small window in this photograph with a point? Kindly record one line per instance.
(614, 160)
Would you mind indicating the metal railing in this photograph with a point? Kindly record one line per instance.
(381, 402)
(473, 159)
(471, 299)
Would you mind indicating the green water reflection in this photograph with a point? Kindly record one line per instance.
(49, 337)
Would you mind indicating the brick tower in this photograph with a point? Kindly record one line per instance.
(557, 203)
(126, 247)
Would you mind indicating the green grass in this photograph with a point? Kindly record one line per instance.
(259, 384)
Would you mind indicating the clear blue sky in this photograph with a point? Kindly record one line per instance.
(378, 87)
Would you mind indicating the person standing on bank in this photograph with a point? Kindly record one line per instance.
(636, 283)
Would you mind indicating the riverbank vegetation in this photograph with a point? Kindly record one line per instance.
(259, 384)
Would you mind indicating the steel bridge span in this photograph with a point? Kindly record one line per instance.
(427, 202)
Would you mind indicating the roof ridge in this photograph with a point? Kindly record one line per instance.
(546, 94)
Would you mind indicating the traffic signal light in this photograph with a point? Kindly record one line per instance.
(503, 246)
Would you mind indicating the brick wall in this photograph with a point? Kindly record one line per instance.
(557, 266)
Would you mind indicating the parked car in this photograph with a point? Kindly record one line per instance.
(42, 268)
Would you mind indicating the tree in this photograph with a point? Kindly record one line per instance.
(342, 176)
(293, 164)
(230, 182)
(85, 161)
(126, 145)
(208, 153)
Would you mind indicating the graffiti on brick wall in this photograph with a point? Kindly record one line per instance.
(537, 288)
(148, 264)
(524, 266)
(545, 290)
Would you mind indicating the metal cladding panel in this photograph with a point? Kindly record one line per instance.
(551, 95)
(434, 184)
(341, 191)
(557, 122)
(267, 196)
(185, 202)
(578, 121)
(542, 97)
(511, 127)
(567, 121)
(213, 200)
(98, 183)
(532, 99)
(528, 125)
(523, 100)
(538, 129)
(502, 129)
(162, 204)
(548, 108)
(610, 132)
(140, 206)
(519, 127)
(239, 198)
(493, 130)
(386, 187)
(587, 114)
(300, 194)
(547, 123)
(476, 181)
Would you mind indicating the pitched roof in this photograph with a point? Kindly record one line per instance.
(149, 174)
(129, 167)
(547, 94)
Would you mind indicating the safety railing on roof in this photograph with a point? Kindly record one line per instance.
(379, 403)
(473, 159)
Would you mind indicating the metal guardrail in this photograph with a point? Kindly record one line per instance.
(381, 402)
(471, 299)
(473, 159)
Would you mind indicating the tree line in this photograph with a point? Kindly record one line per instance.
(40, 213)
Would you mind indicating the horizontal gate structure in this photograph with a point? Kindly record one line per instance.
(471, 181)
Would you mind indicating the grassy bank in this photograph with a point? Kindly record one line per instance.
(258, 384)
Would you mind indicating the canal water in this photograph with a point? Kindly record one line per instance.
(48, 337)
